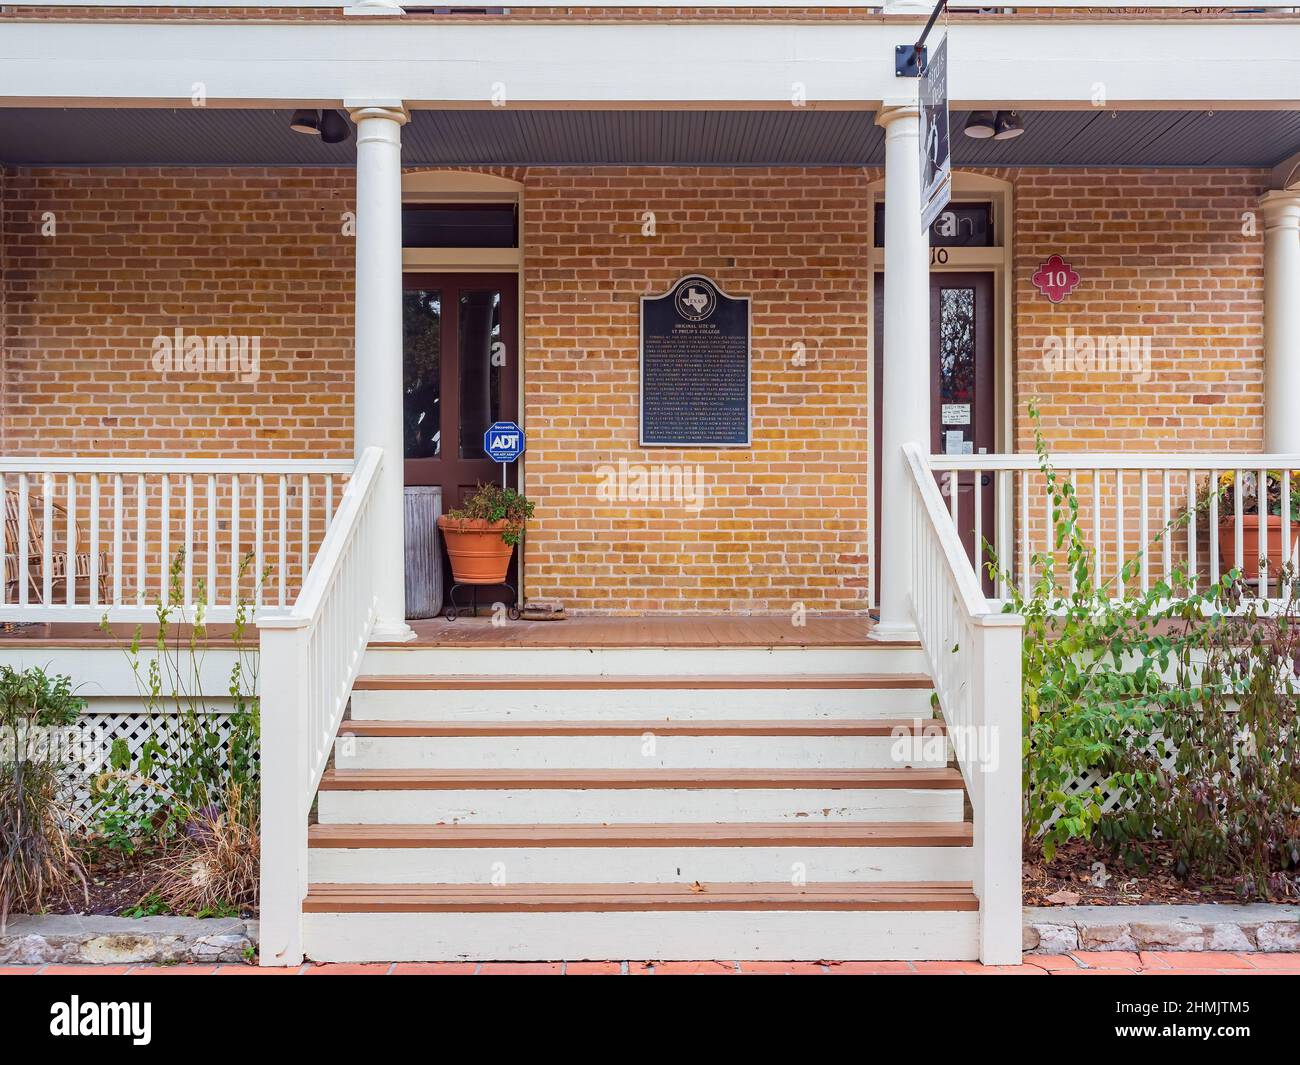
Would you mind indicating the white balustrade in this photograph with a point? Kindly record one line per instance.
(973, 651)
(85, 538)
(310, 658)
(1162, 512)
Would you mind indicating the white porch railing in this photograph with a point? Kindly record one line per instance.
(973, 651)
(85, 538)
(1126, 502)
(310, 658)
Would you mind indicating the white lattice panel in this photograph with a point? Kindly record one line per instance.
(90, 741)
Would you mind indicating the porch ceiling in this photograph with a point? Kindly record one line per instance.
(522, 137)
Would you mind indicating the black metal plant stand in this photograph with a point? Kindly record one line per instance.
(454, 609)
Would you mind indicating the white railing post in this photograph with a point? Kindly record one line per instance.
(283, 701)
(997, 712)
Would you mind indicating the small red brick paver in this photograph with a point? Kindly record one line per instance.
(1082, 963)
(782, 968)
(521, 968)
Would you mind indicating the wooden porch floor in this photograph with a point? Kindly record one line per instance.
(664, 630)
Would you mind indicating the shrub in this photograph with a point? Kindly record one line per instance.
(38, 862)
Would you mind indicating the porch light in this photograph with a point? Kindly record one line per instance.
(1007, 126)
(334, 127)
(306, 122)
(979, 125)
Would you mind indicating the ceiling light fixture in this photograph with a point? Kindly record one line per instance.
(334, 127)
(305, 121)
(979, 125)
(1007, 126)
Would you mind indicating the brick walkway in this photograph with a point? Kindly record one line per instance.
(1082, 964)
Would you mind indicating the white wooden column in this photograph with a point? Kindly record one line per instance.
(378, 371)
(1281, 212)
(904, 400)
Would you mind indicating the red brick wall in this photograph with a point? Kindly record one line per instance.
(1160, 254)
(139, 252)
(783, 522)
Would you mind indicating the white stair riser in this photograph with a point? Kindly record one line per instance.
(629, 704)
(654, 661)
(635, 865)
(660, 935)
(645, 751)
(637, 805)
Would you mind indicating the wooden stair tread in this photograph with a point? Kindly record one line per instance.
(680, 727)
(541, 898)
(754, 834)
(470, 779)
(680, 682)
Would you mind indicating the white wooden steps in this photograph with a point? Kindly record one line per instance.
(804, 810)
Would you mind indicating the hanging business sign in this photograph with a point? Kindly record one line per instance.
(695, 366)
(936, 164)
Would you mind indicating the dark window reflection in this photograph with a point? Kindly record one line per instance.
(957, 345)
(482, 361)
(422, 372)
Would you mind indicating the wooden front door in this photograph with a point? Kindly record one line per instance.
(460, 374)
(962, 406)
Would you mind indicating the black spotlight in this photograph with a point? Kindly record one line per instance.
(1007, 126)
(305, 122)
(334, 127)
(979, 125)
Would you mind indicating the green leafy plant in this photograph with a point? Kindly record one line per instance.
(39, 863)
(1228, 485)
(495, 503)
(1225, 768)
(1093, 668)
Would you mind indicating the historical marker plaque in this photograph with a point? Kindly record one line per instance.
(695, 367)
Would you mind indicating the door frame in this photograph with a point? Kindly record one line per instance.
(473, 186)
(997, 260)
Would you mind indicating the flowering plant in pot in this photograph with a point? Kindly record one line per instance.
(482, 532)
(1258, 510)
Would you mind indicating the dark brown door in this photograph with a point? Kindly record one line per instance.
(961, 393)
(461, 374)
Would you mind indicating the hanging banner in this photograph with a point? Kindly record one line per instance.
(936, 164)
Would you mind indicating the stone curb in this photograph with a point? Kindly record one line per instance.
(97, 940)
(1258, 927)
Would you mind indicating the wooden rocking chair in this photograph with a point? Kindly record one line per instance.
(35, 576)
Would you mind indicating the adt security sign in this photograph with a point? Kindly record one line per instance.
(504, 442)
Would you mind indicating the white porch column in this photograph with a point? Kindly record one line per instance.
(1281, 321)
(378, 371)
(904, 399)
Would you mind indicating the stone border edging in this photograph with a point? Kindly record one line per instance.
(96, 940)
(1261, 927)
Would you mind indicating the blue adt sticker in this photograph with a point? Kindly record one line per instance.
(504, 442)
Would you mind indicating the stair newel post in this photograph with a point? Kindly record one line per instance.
(995, 756)
(285, 783)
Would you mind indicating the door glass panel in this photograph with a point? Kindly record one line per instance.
(422, 372)
(957, 351)
(481, 359)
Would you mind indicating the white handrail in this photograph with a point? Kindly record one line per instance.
(238, 532)
(309, 660)
(974, 654)
(1156, 511)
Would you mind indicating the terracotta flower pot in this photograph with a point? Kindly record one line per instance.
(478, 553)
(1250, 553)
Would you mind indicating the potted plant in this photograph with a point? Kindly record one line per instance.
(482, 532)
(1229, 485)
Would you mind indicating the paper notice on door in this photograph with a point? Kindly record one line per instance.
(955, 414)
(954, 442)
